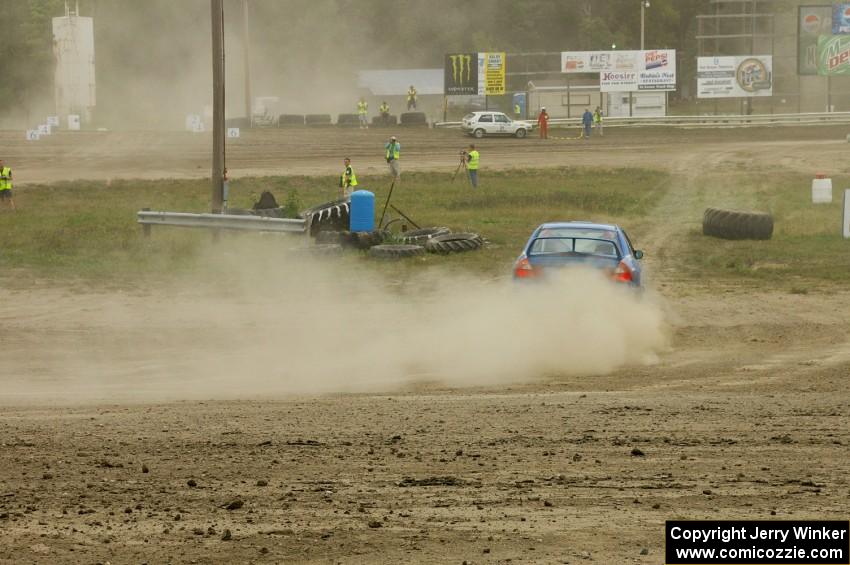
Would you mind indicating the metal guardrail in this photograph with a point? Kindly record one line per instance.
(736, 120)
(219, 221)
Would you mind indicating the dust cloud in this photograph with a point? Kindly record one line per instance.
(270, 323)
(153, 60)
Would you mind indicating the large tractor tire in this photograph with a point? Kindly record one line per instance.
(325, 237)
(396, 251)
(421, 236)
(317, 119)
(290, 120)
(348, 120)
(736, 224)
(378, 121)
(414, 119)
(328, 216)
(454, 243)
(366, 239)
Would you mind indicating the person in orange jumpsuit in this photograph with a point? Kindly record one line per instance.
(543, 123)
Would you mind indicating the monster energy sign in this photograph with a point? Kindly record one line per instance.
(474, 74)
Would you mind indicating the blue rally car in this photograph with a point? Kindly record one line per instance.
(563, 244)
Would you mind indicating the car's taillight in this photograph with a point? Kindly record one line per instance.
(525, 270)
(622, 273)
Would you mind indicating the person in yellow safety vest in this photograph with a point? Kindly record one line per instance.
(363, 113)
(385, 113)
(347, 179)
(6, 186)
(472, 158)
(517, 110)
(597, 120)
(411, 98)
(393, 148)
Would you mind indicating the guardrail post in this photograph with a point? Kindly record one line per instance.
(146, 228)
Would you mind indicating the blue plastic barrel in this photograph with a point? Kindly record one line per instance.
(362, 216)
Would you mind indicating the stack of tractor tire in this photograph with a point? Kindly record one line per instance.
(328, 224)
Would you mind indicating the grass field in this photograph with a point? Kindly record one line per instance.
(807, 244)
(87, 230)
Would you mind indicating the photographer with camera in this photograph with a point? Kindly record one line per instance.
(472, 158)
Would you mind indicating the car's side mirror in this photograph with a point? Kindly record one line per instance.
(638, 254)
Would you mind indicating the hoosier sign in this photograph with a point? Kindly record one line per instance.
(625, 71)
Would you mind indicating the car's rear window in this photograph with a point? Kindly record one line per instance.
(468, 117)
(572, 245)
(578, 232)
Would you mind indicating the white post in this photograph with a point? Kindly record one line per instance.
(846, 220)
(642, 12)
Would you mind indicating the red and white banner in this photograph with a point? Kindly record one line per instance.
(625, 71)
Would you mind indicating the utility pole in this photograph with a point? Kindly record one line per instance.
(218, 104)
(644, 4)
(245, 46)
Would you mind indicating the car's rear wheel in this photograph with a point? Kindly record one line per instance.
(479, 133)
(520, 133)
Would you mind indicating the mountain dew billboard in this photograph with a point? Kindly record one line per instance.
(834, 55)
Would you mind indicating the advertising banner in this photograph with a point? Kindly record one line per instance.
(461, 74)
(598, 61)
(474, 74)
(813, 22)
(656, 69)
(841, 18)
(625, 71)
(734, 77)
(493, 77)
(618, 81)
(834, 55)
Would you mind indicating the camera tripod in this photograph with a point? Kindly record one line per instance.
(460, 165)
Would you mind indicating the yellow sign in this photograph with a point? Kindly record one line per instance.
(494, 72)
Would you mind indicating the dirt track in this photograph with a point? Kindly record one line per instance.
(112, 155)
(744, 417)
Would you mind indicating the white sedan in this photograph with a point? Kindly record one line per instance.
(480, 124)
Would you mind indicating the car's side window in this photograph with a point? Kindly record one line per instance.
(629, 241)
(485, 118)
(502, 119)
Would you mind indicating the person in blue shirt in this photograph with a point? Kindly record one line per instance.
(587, 122)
